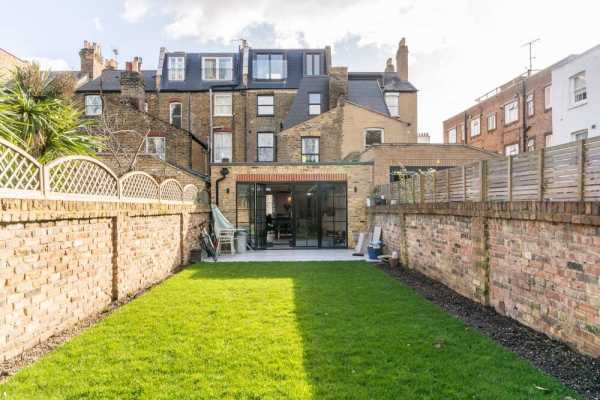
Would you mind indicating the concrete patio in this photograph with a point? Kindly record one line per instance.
(291, 255)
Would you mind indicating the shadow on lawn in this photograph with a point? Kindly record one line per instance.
(367, 336)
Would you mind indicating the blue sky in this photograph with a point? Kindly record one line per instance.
(459, 49)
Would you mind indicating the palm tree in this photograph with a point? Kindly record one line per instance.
(36, 114)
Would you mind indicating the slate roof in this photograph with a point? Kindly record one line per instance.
(108, 81)
(299, 109)
(367, 93)
(389, 81)
(193, 73)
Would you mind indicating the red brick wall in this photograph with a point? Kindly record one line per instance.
(63, 261)
(535, 262)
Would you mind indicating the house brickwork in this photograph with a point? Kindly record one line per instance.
(62, 261)
(356, 176)
(534, 262)
(8, 62)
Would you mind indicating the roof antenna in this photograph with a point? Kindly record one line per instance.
(531, 57)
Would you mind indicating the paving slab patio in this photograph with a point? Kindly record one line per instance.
(292, 255)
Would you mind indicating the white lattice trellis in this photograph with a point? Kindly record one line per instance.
(77, 177)
(170, 191)
(139, 186)
(20, 174)
(190, 193)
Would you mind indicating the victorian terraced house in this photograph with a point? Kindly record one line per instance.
(282, 135)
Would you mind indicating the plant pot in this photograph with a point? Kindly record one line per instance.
(393, 263)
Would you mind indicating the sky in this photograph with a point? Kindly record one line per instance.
(459, 49)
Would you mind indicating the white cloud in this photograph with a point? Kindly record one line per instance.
(459, 49)
(98, 24)
(51, 64)
(135, 10)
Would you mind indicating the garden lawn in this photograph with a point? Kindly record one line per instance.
(322, 330)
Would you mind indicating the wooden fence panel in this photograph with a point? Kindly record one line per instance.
(560, 172)
(497, 180)
(473, 182)
(591, 179)
(525, 176)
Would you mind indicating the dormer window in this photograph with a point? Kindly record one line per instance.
(314, 103)
(269, 67)
(392, 103)
(313, 64)
(217, 68)
(176, 68)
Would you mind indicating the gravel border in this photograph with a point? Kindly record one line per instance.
(574, 370)
(10, 367)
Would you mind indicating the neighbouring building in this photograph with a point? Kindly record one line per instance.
(513, 118)
(576, 98)
(8, 62)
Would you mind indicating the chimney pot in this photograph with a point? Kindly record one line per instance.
(389, 66)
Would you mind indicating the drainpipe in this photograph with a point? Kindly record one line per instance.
(210, 125)
(224, 172)
(525, 115)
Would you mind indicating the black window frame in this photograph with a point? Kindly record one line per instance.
(270, 78)
(258, 113)
(258, 146)
(320, 103)
(316, 155)
(312, 63)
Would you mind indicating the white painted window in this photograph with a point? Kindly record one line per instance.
(475, 127)
(491, 121)
(580, 135)
(373, 136)
(176, 67)
(313, 64)
(531, 144)
(223, 105)
(548, 141)
(578, 89)
(511, 112)
(266, 146)
(314, 103)
(222, 147)
(156, 145)
(530, 105)
(511, 149)
(452, 135)
(217, 68)
(93, 105)
(265, 104)
(548, 97)
(175, 114)
(392, 100)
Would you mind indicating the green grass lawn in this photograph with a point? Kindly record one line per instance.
(330, 330)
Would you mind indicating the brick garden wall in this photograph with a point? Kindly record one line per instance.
(538, 263)
(62, 261)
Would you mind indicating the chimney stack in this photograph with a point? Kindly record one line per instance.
(338, 85)
(389, 66)
(91, 59)
(327, 59)
(245, 54)
(132, 83)
(402, 60)
(159, 68)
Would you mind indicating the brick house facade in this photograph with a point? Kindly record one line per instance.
(514, 118)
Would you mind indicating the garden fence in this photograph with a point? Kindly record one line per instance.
(569, 172)
(85, 179)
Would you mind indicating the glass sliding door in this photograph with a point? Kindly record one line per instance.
(333, 215)
(306, 215)
(251, 212)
